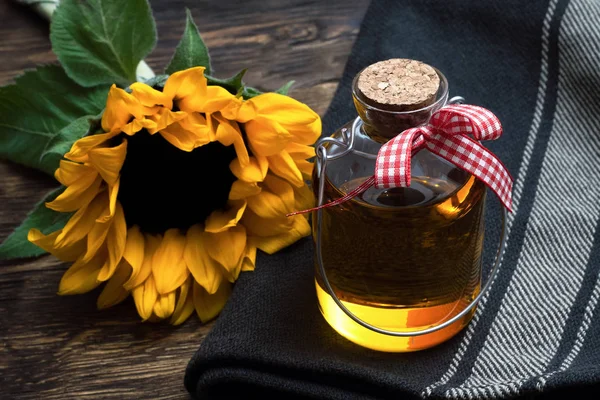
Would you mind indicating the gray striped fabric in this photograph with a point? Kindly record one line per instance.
(527, 331)
(536, 333)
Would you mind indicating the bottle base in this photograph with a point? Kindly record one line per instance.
(395, 319)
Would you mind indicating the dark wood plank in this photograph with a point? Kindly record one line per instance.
(61, 347)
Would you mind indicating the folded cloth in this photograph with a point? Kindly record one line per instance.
(537, 332)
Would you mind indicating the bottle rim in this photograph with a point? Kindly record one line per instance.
(441, 97)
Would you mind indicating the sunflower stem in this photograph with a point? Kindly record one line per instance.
(46, 8)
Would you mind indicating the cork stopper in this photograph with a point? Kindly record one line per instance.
(398, 84)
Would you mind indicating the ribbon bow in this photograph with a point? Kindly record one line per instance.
(446, 135)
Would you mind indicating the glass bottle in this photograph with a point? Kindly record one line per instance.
(403, 259)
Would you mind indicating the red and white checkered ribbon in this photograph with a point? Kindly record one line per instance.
(446, 135)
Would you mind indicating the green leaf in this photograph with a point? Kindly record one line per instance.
(42, 218)
(191, 50)
(102, 41)
(64, 139)
(285, 88)
(158, 81)
(36, 108)
(250, 92)
(232, 84)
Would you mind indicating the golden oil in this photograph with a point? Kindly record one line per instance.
(403, 259)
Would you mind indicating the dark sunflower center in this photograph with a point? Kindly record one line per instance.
(163, 187)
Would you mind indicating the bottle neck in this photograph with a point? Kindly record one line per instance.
(382, 125)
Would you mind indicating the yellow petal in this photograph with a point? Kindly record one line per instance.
(115, 242)
(181, 138)
(217, 98)
(240, 190)
(120, 107)
(297, 119)
(305, 134)
(80, 224)
(272, 244)
(283, 164)
(283, 109)
(185, 83)
(259, 226)
(270, 205)
(255, 171)
(108, 161)
(164, 118)
(134, 249)
(213, 99)
(300, 151)
(165, 305)
(138, 124)
(185, 303)
(246, 262)
(145, 296)
(82, 276)
(46, 242)
(241, 111)
(208, 306)
(141, 271)
(168, 266)
(306, 167)
(205, 270)
(266, 137)
(304, 198)
(113, 192)
(149, 96)
(202, 127)
(227, 247)
(232, 111)
(70, 172)
(220, 221)
(263, 165)
(77, 195)
(228, 133)
(80, 149)
(281, 189)
(109, 211)
(211, 123)
(95, 239)
(113, 292)
(249, 259)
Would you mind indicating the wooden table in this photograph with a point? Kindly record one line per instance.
(56, 347)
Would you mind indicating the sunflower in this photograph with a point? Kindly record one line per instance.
(173, 198)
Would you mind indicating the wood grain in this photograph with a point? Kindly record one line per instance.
(55, 347)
